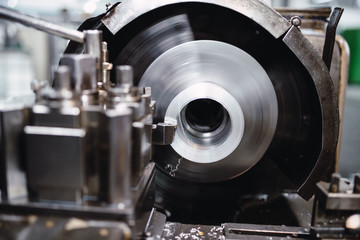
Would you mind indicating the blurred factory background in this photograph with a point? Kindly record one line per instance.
(27, 54)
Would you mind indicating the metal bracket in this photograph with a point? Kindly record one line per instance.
(330, 36)
(163, 133)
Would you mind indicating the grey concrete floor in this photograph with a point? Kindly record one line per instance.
(350, 145)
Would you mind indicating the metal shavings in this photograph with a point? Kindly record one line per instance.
(169, 229)
(221, 237)
(49, 224)
(184, 235)
(217, 232)
(173, 170)
(177, 231)
(195, 230)
(75, 223)
(158, 237)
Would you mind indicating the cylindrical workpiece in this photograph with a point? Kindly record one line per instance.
(62, 79)
(124, 76)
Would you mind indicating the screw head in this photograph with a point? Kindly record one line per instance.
(296, 21)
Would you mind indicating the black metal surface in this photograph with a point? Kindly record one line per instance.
(143, 200)
(163, 133)
(174, 230)
(3, 164)
(330, 35)
(153, 225)
(287, 209)
(325, 162)
(294, 146)
(251, 231)
(298, 138)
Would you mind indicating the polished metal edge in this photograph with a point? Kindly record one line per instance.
(317, 69)
(128, 10)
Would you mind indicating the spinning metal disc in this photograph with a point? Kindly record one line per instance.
(231, 72)
(224, 104)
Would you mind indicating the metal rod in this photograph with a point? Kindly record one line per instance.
(42, 25)
(330, 36)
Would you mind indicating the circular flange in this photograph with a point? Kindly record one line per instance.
(212, 145)
(223, 73)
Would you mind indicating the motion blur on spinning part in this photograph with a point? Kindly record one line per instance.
(177, 119)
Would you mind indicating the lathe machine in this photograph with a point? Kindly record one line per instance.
(178, 119)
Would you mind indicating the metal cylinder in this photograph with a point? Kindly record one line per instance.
(124, 76)
(93, 43)
(62, 78)
(94, 46)
(42, 25)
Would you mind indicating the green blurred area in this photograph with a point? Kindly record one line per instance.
(352, 36)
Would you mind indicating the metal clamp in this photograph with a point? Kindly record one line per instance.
(163, 133)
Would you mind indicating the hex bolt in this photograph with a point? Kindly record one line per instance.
(62, 78)
(124, 76)
(356, 183)
(335, 183)
(83, 71)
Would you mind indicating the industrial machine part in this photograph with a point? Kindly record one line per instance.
(335, 215)
(336, 208)
(76, 154)
(83, 149)
(253, 104)
(253, 100)
(314, 27)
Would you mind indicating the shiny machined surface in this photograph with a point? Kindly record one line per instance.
(224, 75)
(138, 33)
(298, 134)
(224, 94)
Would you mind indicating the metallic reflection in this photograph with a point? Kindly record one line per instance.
(227, 75)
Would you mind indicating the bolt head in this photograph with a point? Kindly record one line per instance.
(296, 21)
